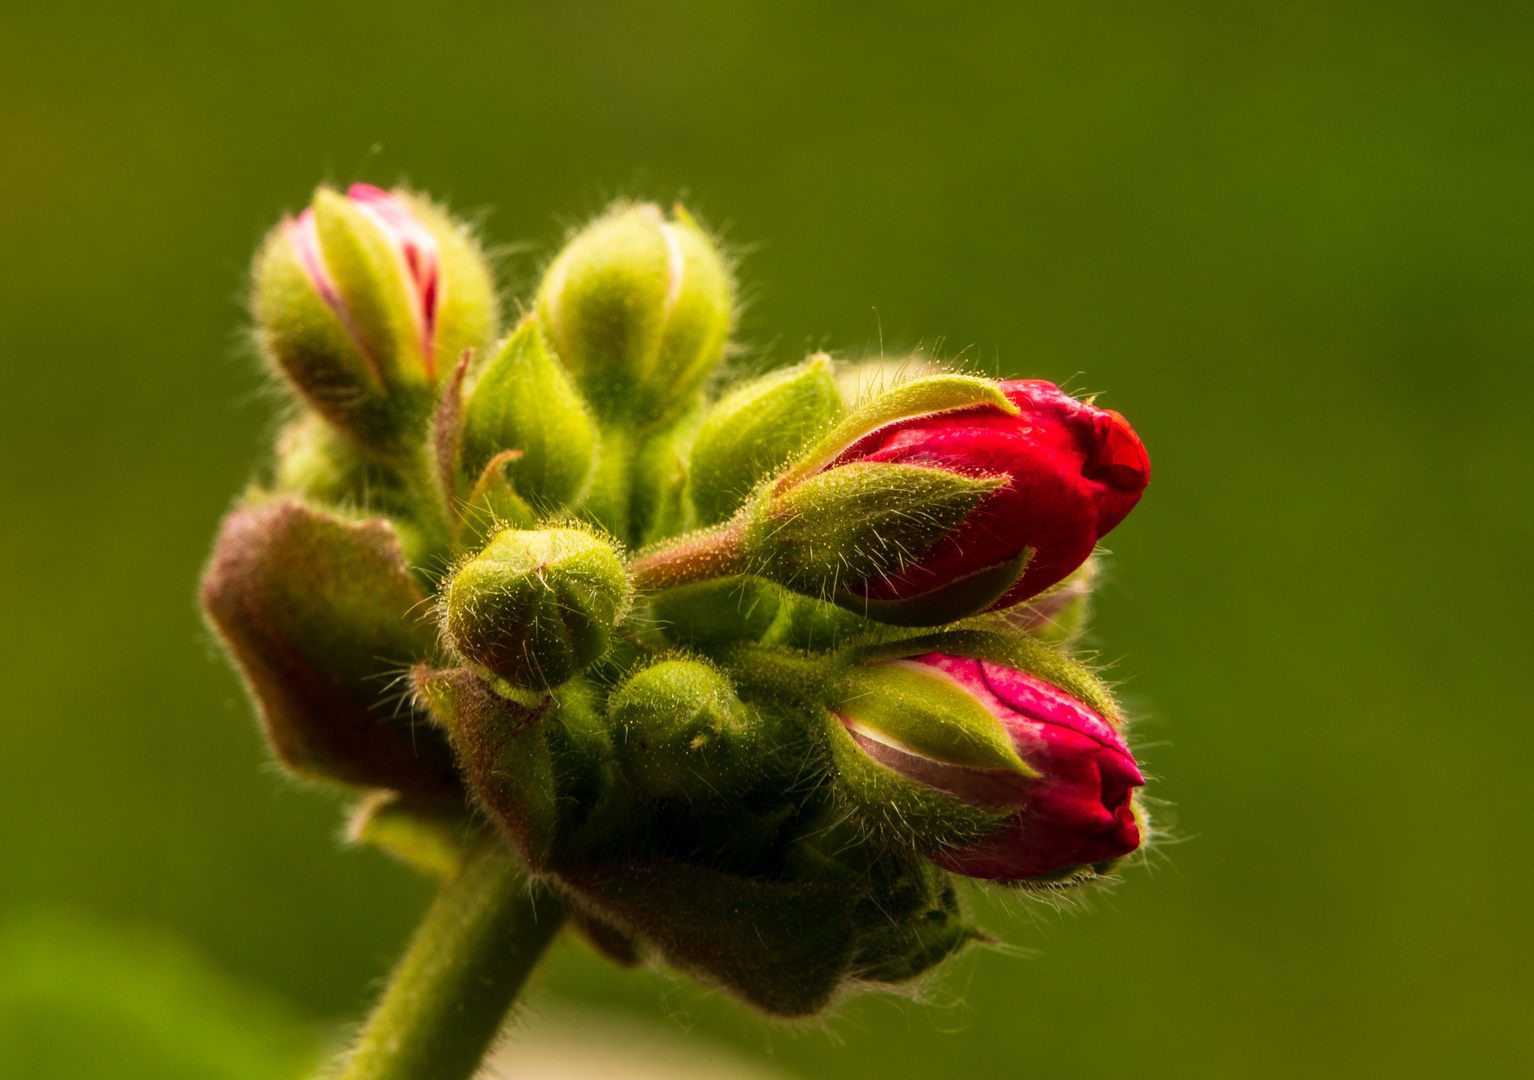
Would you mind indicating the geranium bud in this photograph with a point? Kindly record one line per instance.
(365, 301)
(1065, 803)
(895, 727)
(682, 735)
(536, 607)
(1050, 475)
(638, 307)
(524, 401)
(756, 429)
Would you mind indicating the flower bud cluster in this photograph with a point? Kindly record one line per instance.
(748, 672)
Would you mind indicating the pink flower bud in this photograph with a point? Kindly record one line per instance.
(412, 244)
(1073, 472)
(1076, 810)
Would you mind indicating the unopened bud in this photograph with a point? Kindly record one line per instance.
(898, 732)
(364, 301)
(755, 430)
(683, 735)
(932, 742)
(524, 401)
(947, 497)
(638, 307)
(535, 608)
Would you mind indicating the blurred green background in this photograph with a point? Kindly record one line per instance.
(1292, 242)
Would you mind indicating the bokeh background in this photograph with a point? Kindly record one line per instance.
(1293, 242)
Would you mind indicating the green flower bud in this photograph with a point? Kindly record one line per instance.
(535, 608)
(682, 735)
(524, 401)
(756, 429)
(365, 301)
(638, 308)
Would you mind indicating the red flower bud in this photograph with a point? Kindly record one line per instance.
(413, 245)
(1075, 811)
(1073, 472)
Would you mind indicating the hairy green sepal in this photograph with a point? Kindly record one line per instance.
(536, 607)
(857, 522)
(523, 400)
(919, 397)
(682, 734)
(919, 710)
(757, 428)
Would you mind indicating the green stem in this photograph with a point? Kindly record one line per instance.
(608, 502)
(467, 962)
(783, 673)
(699, 556)
(431, 503)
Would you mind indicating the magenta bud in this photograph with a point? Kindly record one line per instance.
(1065, 474)
(1055, 781)
(1078, 811)
(365, 301)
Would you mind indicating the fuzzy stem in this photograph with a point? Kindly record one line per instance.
(697, 556)
(432, 506)
(608, 502)
(450, 992)
(783, 673)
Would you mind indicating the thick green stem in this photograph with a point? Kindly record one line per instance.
(465, 965)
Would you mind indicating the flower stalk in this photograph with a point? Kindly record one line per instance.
(469, 959)
(701, 556)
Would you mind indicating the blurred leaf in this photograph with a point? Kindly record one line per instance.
(81, 1001)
